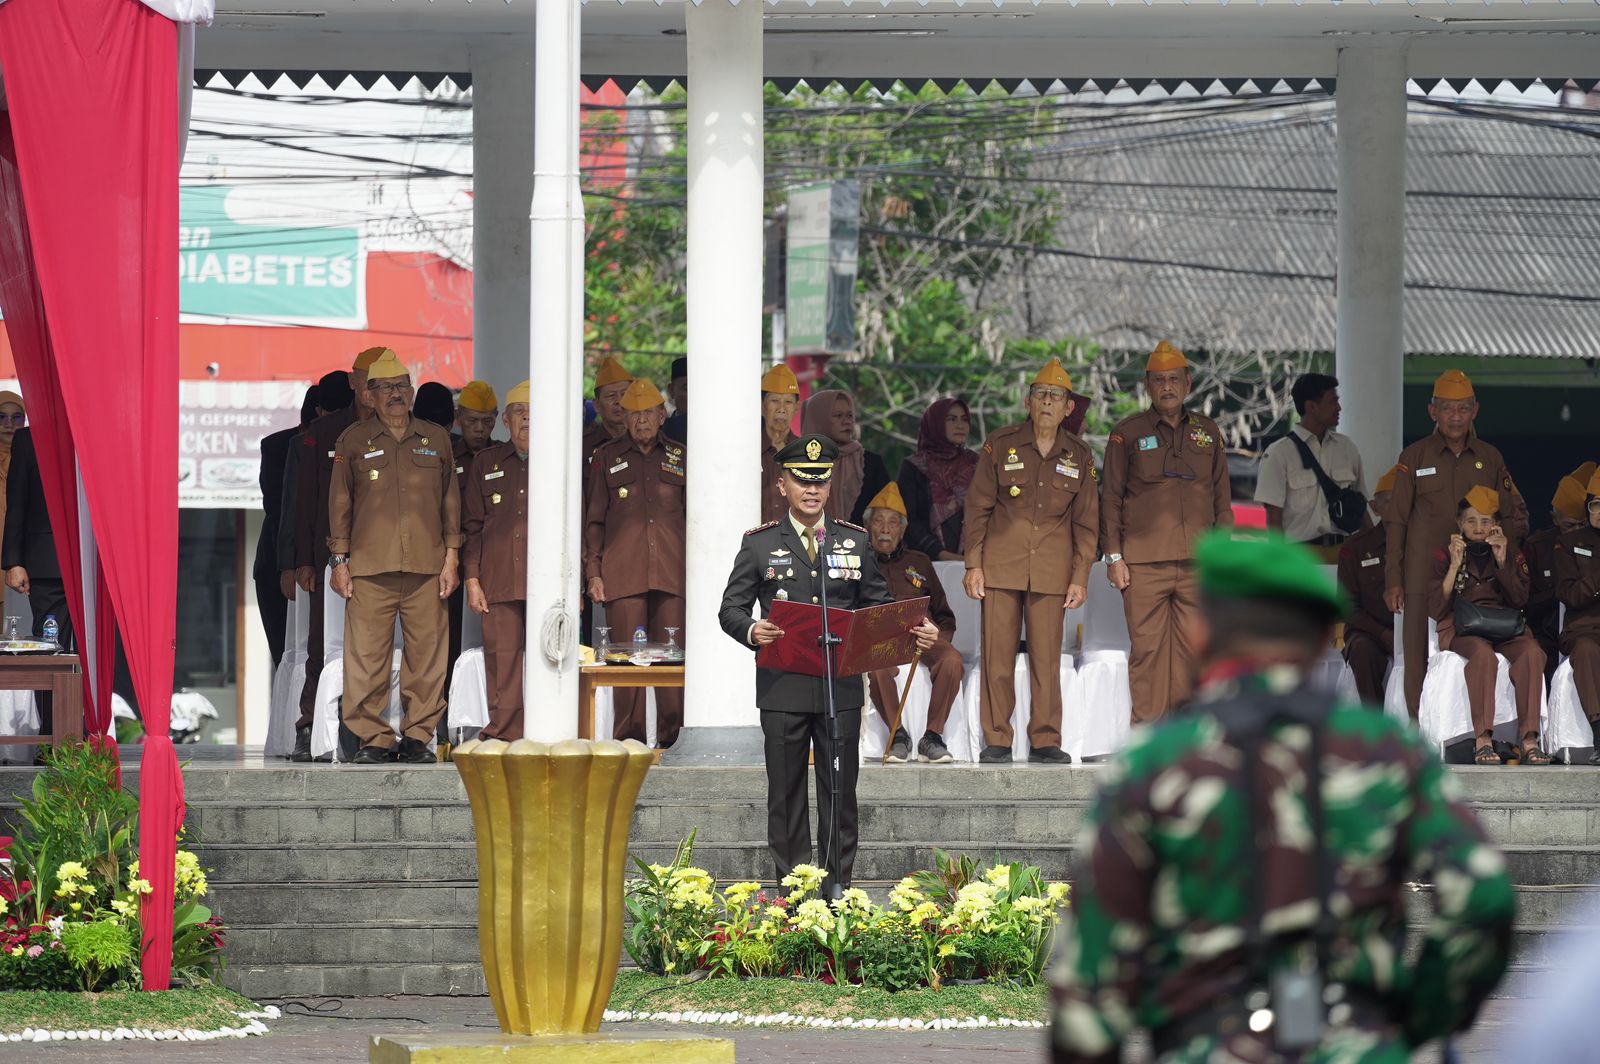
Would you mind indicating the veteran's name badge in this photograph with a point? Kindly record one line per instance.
(374, 454)
(495, 475)
(1367, 563)
(619, 467)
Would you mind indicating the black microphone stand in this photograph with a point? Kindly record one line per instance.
(827, 640)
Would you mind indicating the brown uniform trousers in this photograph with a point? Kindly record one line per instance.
(774, 506)
(910, 574)
(1031, 525)
(394, 506)
(594, 435)
(1490, 585)
(315, 472)
(1544, 610)
(1429, 486)
(494, 519)
(1578, 586)
(633, 539)
(1164, 485)
(1369, 633)
(456, 604)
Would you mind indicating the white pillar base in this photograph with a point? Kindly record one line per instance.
(724, 331)
(1371, 113)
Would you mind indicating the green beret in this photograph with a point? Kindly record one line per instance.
(1268, 567)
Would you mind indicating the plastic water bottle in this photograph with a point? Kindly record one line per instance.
(52, 629)
(640, 637)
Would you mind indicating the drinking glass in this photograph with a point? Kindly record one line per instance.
(13, 629)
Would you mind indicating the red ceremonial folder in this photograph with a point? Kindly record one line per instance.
(875, 637)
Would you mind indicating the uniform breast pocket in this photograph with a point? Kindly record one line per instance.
(1342, 475)
(372, 467)
(1150, 465)
(622, 484)
(1302, 480)
(1064, 487)
(1429, 485)
(669, 488)
(1013, 482)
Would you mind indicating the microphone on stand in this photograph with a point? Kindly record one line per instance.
(828, 640)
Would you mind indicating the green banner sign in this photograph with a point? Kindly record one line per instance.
(823, 231)
(267, 273)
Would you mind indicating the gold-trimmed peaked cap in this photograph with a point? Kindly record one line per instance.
(809, 458)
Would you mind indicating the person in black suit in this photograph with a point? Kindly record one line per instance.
(789, 559)
(271, 601)
(28, 552)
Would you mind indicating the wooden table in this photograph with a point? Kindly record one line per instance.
(62, 676)
(593, 676)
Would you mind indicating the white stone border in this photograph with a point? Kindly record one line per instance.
(789, 1019)
(122, 1034)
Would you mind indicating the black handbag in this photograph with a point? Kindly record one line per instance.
(1347, 508)
(1494, 623)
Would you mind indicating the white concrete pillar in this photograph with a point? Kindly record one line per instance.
(724, 324)
(554, 363)
(255, 671)
(1371, 113)
(502, 188)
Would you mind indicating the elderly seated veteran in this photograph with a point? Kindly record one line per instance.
(1478, 568)
(910, 575)
(1578, 588)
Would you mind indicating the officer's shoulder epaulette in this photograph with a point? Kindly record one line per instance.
(847, 524)
(760, 528)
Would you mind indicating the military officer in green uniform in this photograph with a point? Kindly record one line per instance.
(1240, 889)
(789, 559)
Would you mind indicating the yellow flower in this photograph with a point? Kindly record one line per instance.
(946, 949)
(777, 912)
(124, 908)
(76, 906)
(139, 886)
(999, 876)
(67, 888)
(3, 907)
(71, 870)
(739, 893)
(804, 879)
(1057, 893)
(924, 912)
(853, 900)
(905, 895)
(813, 914)
(16, 951)
(188, 875)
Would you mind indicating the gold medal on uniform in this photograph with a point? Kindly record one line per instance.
(622, 493)
(373, 475)
(1477, 465)
(1015, 491)
(495, 498)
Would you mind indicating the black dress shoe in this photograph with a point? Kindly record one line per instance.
(995, 755)
(1049, 755)
(371, 755)
(415, 752)
(302, 746)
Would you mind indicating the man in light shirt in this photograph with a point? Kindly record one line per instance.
(1290, 489)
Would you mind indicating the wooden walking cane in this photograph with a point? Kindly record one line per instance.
(911, 674)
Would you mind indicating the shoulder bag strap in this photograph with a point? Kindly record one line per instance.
(1330, 490)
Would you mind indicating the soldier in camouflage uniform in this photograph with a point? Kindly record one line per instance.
(1180, 921)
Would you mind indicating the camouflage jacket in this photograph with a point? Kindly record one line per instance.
(1157, 931)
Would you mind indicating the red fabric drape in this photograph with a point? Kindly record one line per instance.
(92, 89)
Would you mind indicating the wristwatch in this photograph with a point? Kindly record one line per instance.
(1112, 559)
(337, 560)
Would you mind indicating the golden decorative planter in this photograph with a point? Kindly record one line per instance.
(552, 824)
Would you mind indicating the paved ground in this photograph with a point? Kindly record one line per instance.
(339, 1032)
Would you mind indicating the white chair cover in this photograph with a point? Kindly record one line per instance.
(469, 690)
(1564, 724)
(969, 705)
(605, 714)
(1394, 691)
(471, 630)
(283, 707)
(957, 733)
(18, 716)
(1102, 718)
(1445, 714)
(968, 612)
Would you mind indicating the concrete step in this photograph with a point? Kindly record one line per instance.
(270, 982)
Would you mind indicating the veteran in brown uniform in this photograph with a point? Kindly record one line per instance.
(314, 472)
(394, 519)
(1544, 609)
(476, 407)
(494, 509)
(610, 421)
(910, 575)
(1435, 475)
(1369, 630)
(633, 547)
(780, 398)
(1030, 526)
(1578, 586)
(1166, 482)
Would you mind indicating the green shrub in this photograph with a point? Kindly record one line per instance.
(891, 959)
(100, 950)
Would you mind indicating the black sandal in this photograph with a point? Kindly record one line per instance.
(1485, 755)
(1533, 753)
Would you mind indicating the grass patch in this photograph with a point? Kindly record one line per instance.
(204, 1008)
(638, 992)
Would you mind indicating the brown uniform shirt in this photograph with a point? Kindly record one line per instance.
(1429, 486)
(1361, 574)
(910, 575)
(1032, 522)
(494, 519)
(1163, 487)
(773, 504)
(1578, 581)
(1487, 584)
(315, 469)
(633, 532)
(394, 505)
(1540, 547)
